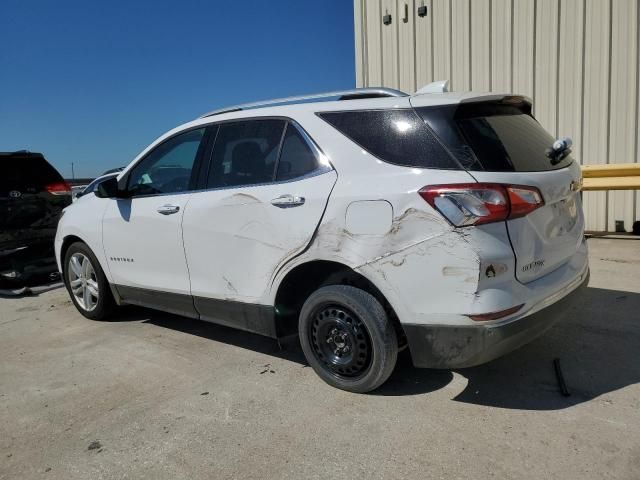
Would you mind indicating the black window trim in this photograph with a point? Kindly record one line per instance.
(202, 163)
(277, 164)
(205, 161)
(210, 135)
(401, 109)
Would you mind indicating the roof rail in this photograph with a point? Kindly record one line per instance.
(353, 94)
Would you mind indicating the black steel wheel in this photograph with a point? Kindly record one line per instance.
(340, 340)
(347, 338)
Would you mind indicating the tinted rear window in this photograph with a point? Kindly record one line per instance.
(25, 173)
(493, 136)
(394, 136)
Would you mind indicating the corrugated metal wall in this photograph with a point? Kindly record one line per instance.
(577, 59)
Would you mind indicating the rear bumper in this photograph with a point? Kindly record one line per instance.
(449, 346)
(21, 264)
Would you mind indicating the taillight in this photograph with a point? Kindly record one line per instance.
(58, 188)
(523, 200)
(465, 204)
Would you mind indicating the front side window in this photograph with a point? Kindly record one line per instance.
(296, 158)
(167, 169)
(245, 153)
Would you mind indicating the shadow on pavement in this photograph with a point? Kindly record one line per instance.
(288, 350)
(598, 345)
(8, 291)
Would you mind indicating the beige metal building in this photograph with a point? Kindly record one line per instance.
(577, 59)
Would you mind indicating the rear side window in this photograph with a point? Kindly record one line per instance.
(396, 136)
(297, 158)
(26, 173)
(245, 153)
(494, 137)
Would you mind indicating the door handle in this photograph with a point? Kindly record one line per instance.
(287, 201)
(168, 209)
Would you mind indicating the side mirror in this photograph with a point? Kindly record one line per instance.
(109, 189)
(122, 183)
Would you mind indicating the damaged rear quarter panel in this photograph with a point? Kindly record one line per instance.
(422, 265)
(442, 278)
(427, 270)
(419, 252)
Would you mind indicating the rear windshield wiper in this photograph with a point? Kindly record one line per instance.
(560, 149)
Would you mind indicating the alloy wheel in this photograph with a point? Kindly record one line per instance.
(83, 281)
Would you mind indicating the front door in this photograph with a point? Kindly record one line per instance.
(142, 234)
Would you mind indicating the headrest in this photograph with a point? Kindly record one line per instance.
(247, 158)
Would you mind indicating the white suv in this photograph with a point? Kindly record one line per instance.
(366, 221)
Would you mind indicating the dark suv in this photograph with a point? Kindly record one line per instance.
(32, 196)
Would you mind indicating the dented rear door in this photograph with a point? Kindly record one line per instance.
(235, 239)
(237, 236)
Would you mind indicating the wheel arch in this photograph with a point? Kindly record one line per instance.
(302, 280)
(69, 240)
(66, 243)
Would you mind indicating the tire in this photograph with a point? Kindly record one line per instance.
(99, 306)
(347, 338)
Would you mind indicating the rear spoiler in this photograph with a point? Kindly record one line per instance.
(516, 100)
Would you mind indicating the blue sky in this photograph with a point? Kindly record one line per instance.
(95, 82)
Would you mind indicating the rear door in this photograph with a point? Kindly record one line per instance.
(500, 142)
(265, 193)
